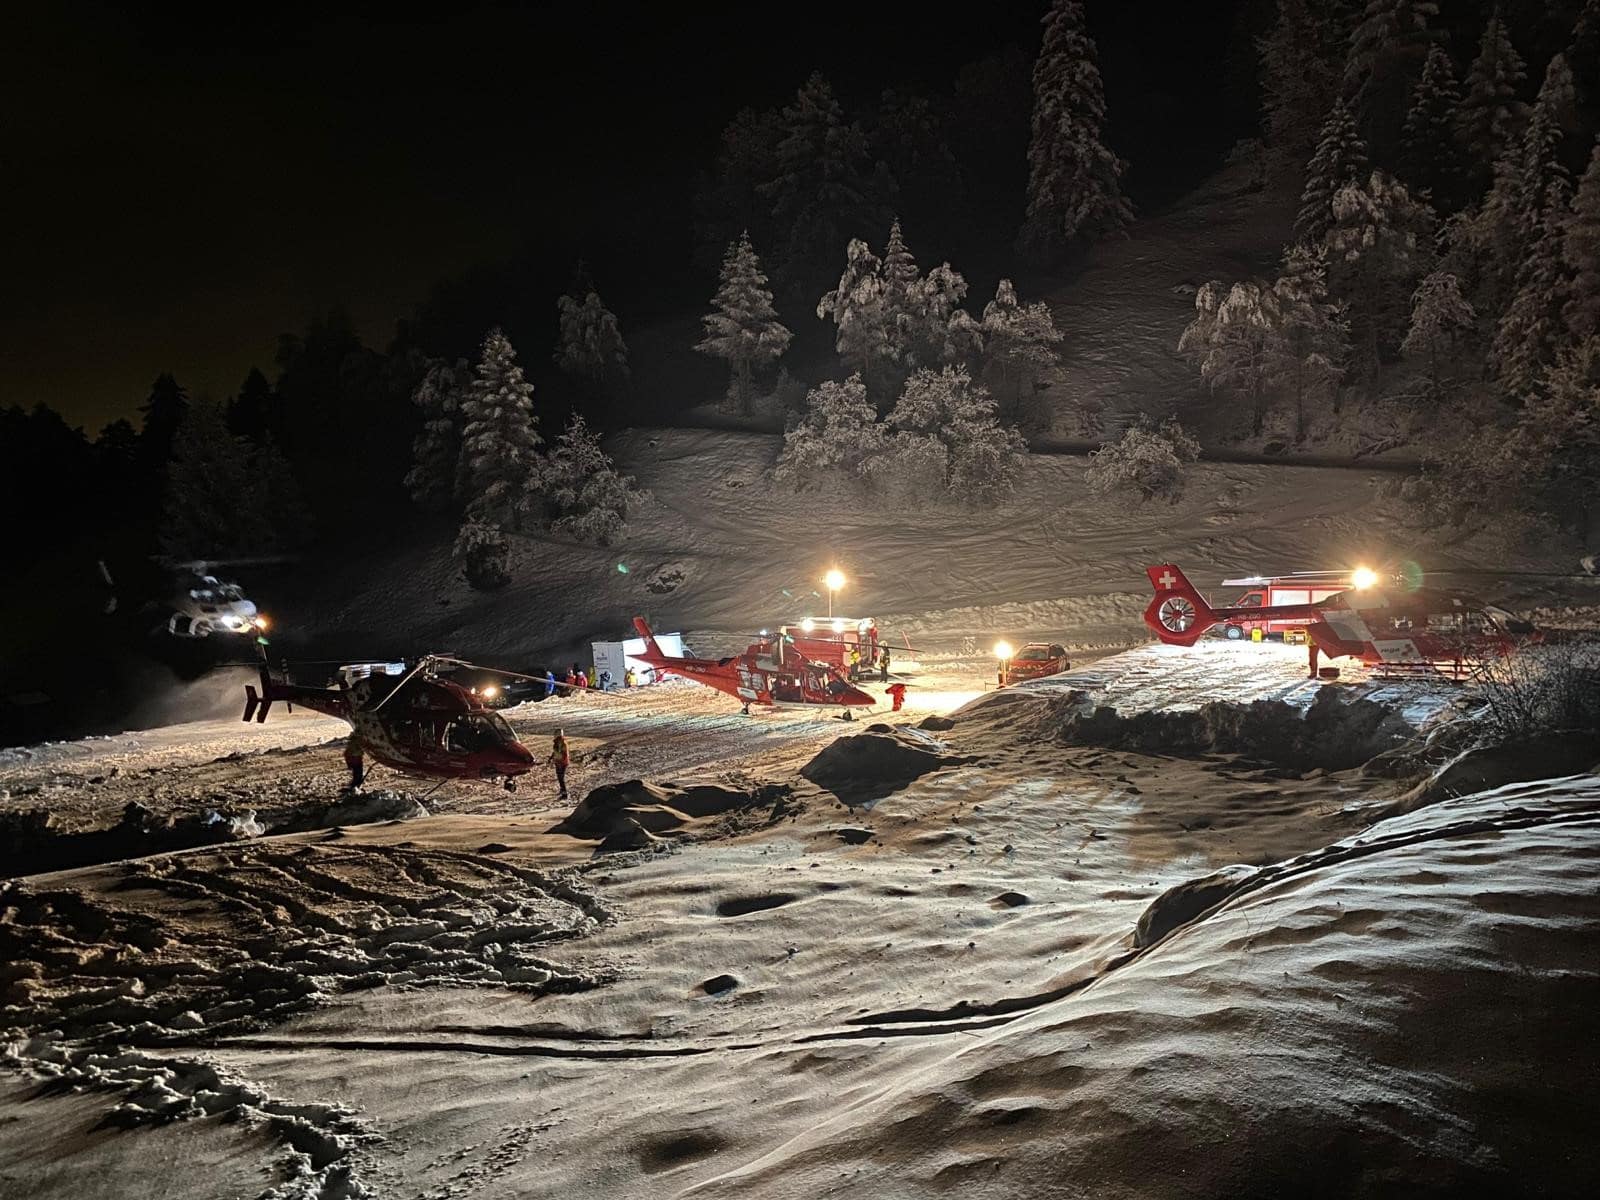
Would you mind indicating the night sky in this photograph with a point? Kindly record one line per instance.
(187, 182)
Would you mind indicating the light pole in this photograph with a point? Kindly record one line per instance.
(833, 580)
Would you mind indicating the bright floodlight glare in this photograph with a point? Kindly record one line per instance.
(838, 624)
(261, 622)
(490, 692)
(808, 625)
(1003, 650)
(1363, 577)
(834, 579)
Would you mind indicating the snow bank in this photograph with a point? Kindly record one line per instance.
(1408, 1012)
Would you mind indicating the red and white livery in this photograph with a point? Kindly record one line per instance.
(770, 672)
(1420, 630)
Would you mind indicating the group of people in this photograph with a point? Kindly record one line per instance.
(579, 679)
(862, 667)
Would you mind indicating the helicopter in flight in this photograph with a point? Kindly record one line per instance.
(416, 722)
(766, 673)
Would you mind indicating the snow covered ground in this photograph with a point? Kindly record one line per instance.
(935, 987)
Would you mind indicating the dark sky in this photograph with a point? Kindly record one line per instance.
(184, 182)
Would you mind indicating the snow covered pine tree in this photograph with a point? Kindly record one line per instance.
(1074, 181)
(591, 347)
(743, 327)
(499, 436)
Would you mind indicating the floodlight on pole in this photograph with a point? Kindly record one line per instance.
(833, 581)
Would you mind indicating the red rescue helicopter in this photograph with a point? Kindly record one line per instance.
(418, 723)
(1400, 631)
(766, 673)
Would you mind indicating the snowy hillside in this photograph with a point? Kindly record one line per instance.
(720, 552)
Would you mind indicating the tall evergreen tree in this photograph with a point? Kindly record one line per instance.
(256, 412)
(1580, 252)
(1313, 334)
(499, 436)
(162, 415)
(910, 138)
(1074, 181)
(1237, 340)
(436, 450)
(1387, 50)
(1379, 246)
(590, 347)
(1531, 333)
(901, 294)
(1430, 154)
(736, 197)
(1340, 158)
(743, 327)
(214, 504)
(1514, 213)
(1440, 316)
(1583, 56)
(1302, 57)
(825, 186)
(1491, 115)
(857, 307)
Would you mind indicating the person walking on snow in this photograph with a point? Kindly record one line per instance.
(560, 758)
(898, 692)
(549, 683)
(883, 666)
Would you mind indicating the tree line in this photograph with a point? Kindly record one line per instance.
(1442, 261)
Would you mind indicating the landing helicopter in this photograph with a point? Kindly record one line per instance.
(764, 674)
(417, 722)
(1396, 630)
(202, 604)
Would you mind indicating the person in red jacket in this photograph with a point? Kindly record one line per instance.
(898, 692)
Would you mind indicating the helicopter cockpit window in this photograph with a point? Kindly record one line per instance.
(466, 735)
(495, 727)
(1253, 600)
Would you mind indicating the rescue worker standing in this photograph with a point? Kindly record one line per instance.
(898, 692)
(883, 666)
(855, 663)
(353, 758)
(560, 759)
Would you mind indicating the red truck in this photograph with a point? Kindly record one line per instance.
(1270, 591)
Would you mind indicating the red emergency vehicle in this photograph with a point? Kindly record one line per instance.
(1276, 591)
(830, 640)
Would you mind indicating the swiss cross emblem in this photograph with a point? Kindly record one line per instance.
(1166, 579)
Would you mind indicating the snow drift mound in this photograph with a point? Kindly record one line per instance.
(1408, 1012)
(1336, 732)
(874, 763)
(632, 815)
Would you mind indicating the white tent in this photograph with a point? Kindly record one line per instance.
(617, 657)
